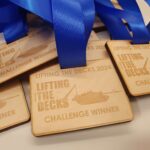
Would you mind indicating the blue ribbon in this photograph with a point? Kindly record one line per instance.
(72, 22)
(12, 21)
(113, 19)
(148, 2)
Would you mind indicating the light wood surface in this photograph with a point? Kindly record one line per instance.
(134, 135)
(13, 106)
(71, 99)
(133, 62)
(128, 136)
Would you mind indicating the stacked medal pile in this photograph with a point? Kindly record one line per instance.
(77, 80)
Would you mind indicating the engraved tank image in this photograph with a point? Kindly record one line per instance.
(23, 54)
(87, 98)
(2, 104)
(90, 98)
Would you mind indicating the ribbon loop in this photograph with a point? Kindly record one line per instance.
(114, 20)
(69, 32)
(72, 31)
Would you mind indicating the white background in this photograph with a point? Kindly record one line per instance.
(134, 135)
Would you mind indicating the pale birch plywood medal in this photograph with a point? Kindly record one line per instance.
(78, 98)
(133, 62)
(13, 106)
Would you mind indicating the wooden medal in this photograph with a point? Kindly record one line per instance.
(78, 98)
(133, 63)
(13, 106)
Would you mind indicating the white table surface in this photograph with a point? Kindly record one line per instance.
(134, 135)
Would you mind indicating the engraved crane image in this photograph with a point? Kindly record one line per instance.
(145, 64)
